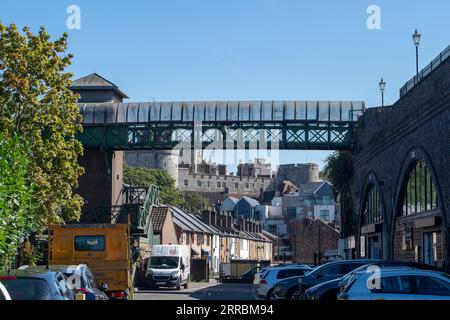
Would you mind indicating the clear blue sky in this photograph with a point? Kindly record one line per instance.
(252, 49)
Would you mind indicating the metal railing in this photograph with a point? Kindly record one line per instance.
(425, 71)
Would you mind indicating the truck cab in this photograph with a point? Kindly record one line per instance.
(169, 266)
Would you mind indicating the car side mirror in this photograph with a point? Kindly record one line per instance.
(104, 287)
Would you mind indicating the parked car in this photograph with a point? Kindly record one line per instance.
(249, 275)
(37, 283)
(398, 284)
(260, 274)
(82, 280)
(328, 290)
(292, 287)
(4, 294)
(273, 275)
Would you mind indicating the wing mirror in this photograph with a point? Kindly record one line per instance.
(104, 287)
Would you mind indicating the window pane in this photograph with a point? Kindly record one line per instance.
(90, 243)
(430, 286)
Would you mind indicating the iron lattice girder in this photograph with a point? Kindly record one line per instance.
(239, 135)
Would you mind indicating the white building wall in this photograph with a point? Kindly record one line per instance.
(244, 249)
(215, 253)
(331, 209)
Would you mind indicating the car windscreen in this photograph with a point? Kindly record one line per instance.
(164, 262)
(27, 289)
(90, 243)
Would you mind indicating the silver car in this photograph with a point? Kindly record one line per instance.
(397, 284)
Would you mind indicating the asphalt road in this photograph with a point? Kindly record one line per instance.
(198, 291)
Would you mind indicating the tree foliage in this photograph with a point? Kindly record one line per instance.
(168, 193)
(36, 103)
(339, 170)
(144, 177)
(17, 214)
(194, 202)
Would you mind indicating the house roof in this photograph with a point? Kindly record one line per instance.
(95, 82)
(252, 202)
(306, 189)
(158, 216)
(191, 222)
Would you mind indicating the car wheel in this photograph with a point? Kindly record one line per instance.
(290, 295)
(293, 296)
(186, 285)
(329, 296)
(179, 285)
(269, 295)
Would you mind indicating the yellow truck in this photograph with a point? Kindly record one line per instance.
(104, 248)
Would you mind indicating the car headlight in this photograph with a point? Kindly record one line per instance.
(149, 272)
(174, 275)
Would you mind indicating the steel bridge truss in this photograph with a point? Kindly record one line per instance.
(123, 127)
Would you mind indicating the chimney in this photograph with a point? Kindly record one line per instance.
(229, 220)
(206, 217)
(242, 223)
(248, 226)
(213, 216)
(223, 220)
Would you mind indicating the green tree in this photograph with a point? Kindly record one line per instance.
(17, 214)
(194, 202)
(338, 170)
(36, 103)
(144, 177)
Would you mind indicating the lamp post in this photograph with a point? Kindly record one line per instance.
(416, 38)
(382, 86)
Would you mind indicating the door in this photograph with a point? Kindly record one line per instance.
(430, 247)
(374, 247)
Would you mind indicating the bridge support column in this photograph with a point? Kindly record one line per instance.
(101, 184)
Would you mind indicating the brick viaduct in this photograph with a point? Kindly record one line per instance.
(390, 141)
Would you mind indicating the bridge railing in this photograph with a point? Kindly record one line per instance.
(425, 71)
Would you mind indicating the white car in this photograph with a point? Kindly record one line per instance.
(397, 284)
(262, 272)
(4, 295)
(273, 275)
(259, 275)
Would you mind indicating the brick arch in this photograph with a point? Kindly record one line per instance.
(371, 180)
(417, 153)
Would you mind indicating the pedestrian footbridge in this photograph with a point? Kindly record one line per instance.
(321, 125)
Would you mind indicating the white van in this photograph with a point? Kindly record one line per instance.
(169, 266)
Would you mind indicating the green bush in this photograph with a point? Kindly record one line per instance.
(17, 219)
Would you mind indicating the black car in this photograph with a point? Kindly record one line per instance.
(36, 283)
(328, 290)
(285, 289)
(82, 280)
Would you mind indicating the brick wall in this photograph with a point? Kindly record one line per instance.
(387, 139)
(312, 236)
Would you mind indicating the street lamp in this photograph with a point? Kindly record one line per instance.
(416, 38)
(382, 86)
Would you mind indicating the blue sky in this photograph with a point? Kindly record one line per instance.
(252, 49)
